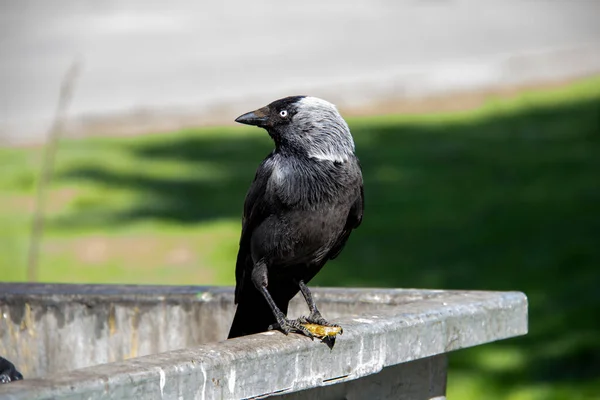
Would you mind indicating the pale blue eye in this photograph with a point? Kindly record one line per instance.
(283, 113)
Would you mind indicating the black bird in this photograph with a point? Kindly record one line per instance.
(305, 200)
(8, 372)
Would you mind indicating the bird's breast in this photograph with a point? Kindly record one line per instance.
(298, 236)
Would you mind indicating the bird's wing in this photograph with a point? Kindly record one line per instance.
(352, 222)
(255, 212)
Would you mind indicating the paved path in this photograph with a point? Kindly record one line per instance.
(194, 58)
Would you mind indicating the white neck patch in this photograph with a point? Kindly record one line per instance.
(330, 139)
(340, 158)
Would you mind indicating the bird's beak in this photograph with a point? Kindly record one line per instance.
(259, 117)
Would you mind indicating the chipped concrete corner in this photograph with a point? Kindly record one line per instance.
(115, 341)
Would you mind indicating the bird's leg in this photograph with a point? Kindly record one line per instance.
(260, 280)
(315, 316)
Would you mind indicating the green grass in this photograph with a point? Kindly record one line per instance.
(505, 197)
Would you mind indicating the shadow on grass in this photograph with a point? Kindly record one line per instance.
(510, 202)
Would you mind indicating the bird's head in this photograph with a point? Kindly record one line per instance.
(306, 125)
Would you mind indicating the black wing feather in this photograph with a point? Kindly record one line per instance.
(255, 212)
(354, 219)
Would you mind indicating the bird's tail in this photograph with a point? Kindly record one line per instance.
(8, 372)
(253, 314)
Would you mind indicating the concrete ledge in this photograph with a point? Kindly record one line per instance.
(382, 328)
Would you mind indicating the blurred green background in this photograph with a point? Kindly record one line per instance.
(504, 197)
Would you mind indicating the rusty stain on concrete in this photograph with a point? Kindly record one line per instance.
(135, 324)
(112, 323)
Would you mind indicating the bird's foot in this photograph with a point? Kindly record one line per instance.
(286, 326)
(317, 319)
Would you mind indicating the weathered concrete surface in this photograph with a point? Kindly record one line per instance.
(150, 65)
(55, 328)
(382, 328)
(423, 379)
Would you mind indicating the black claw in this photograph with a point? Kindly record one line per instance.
(329, 341)
(277, 327)
(287, 326)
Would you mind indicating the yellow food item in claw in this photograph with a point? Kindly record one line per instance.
(322, 331)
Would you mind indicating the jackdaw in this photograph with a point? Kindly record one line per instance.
(8, 372)
(305, 200)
